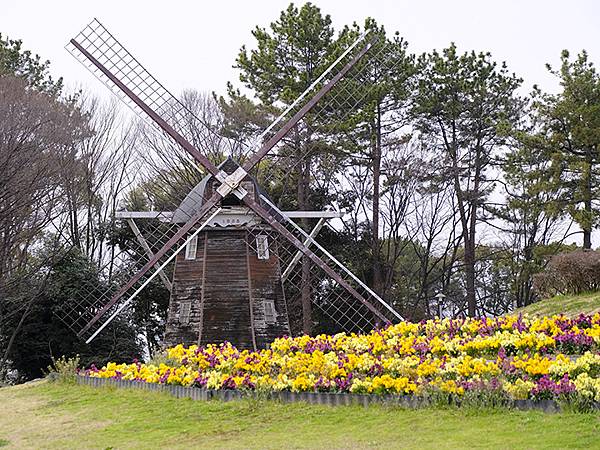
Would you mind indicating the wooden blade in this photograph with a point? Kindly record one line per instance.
(275, 223)
(150, 97)
(130, 78)
(200, 214)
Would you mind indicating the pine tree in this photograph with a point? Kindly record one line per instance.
(288, 57)
(571, 133)
(461, 103)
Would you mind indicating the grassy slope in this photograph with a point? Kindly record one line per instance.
(51, 415)
(570, 305)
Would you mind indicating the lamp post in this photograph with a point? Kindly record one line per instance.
(439, 301)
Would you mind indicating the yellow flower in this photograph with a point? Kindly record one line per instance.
(519, 390)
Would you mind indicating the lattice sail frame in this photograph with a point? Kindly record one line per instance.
(90, 314)
(327, 295)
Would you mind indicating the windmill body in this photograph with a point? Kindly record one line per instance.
(227, 284)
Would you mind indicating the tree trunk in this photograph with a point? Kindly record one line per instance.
(468, 224)
(587, 203)
(469, 260)
(375, 244)
(303, 204)
(11, 341)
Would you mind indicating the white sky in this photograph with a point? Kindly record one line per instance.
(188, 44)
(193, 44)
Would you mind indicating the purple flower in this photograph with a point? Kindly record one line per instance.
(229, 383)
(519, 325)
(165, 377)
(546, 388)
(343, 384)
(574, 342)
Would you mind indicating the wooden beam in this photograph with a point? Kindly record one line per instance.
(166, 127)
(143, 214)
(168, 214)
(313, 214)
(298, 254)
(149, 254)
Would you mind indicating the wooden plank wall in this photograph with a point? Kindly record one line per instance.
(226, 302)
(227, 286)
(187, 286)
(265, 285)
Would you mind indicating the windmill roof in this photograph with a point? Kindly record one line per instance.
(194, 200)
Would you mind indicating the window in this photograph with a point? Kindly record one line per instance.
(191, 247)
(184, 312)
(262, 246)
(270, 311)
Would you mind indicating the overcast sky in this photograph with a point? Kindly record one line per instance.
(188, 44)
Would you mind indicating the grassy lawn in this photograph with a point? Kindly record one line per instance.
(570, 305)
(53, 415)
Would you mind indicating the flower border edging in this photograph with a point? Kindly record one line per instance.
(322, 398)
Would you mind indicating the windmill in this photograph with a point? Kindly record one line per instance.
(237, 259)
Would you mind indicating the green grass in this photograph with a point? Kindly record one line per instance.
(570, 305)
(54, 415)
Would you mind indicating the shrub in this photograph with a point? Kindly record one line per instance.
(64, 369)
(162, 358)
(569, 273)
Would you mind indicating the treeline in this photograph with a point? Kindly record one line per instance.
(453, 180)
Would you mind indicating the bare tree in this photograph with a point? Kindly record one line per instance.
(37, 136)
(104, 173)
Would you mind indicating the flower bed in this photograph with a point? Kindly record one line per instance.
(489, 360)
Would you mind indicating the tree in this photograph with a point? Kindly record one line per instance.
(570, 128)
(432, 228)
(532, 212)
(371, 119)
(23, 64)
(460, 104)
(57, 189)
(39, 133)
(43, 336)
(288, 58)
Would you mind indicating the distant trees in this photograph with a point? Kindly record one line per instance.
(20, 63)
(36, 154)
(551, 171)
(460, 105)
(374, 118)
(61, 171)
(429, 153)
(37, 334)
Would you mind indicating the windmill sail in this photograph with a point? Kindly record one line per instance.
(96, 48)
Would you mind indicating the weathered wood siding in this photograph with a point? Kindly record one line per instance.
(227, 286)
(266, 286)
(187, 287)
(226, 304)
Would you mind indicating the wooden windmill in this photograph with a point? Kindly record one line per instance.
(232, 253)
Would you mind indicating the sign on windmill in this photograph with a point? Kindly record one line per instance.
(231, 259)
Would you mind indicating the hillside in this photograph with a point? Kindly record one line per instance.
(570, 305)
(54, 415)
